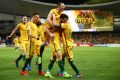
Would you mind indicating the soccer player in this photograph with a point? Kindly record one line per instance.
(16, 43)
(34, 43)
(67, 43)
(52, 20)
(42, 37)
(41, 46)
(23, 39)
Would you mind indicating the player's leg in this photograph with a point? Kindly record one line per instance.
(23, 72)
(40, 72)
(50, 66)
(60, 73)
(16, 47)
(22, 55)
(57, 49)
(70, 60)
(39, 60)
(31, 53)
(52, 61)
(17, 60)
(23, 49)
(28, 48)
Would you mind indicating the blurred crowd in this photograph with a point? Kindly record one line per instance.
(87, 37)
(97, 37)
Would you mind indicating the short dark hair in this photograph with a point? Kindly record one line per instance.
(35, 13)
(62, 16)
(59, 3)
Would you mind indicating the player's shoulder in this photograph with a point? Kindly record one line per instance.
(53, 10)
(29, 23)
(19, 25)
(66, 24)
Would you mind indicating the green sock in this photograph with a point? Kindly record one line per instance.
(63, 60)
(41, 50)
(50, 65)
(19, 58)
(74, 67)
(60, 63)
(26, 63)
(30, 59)
(24, 57)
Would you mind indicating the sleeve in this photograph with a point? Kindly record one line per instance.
(51, 11)
(18, 26)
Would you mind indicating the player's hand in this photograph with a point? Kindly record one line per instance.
(51, 35)
(8, 37)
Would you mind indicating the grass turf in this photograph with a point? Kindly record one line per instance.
(95, 63)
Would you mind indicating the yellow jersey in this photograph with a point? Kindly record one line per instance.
(41, 32)
(34, 31)
(23, 31)
(32, 27)
(66, 34)
(57, 15)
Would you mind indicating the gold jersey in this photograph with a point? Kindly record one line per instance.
(41, 32)
(32, 27)
(57, 14)
(23, 31)
(66, 34)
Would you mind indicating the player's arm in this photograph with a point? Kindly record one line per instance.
(13, 32)
(49, 19)
(48, 31)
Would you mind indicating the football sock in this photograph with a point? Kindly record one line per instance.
(60, 63)
(26, 63)
(50, 65)
(41, 50)
(24, 57)
(30, 59)
(40, 67)
(74, 67)
(19, 58)
(40, 57)
(63, 60)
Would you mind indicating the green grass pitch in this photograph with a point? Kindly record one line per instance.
(95, 63)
